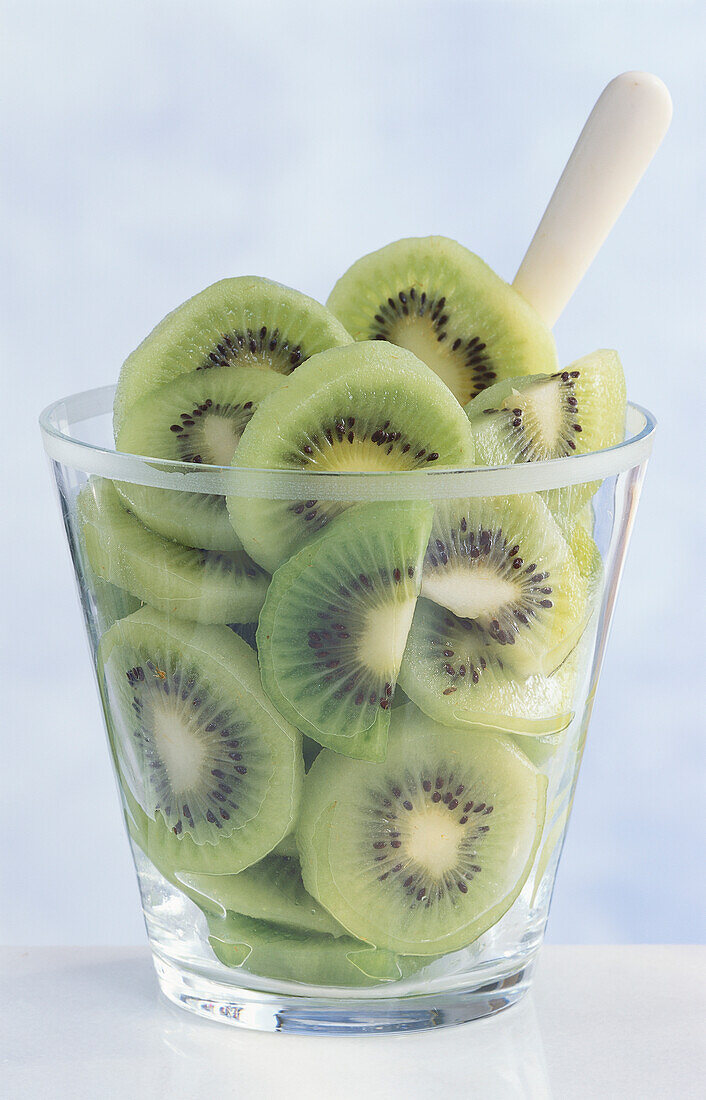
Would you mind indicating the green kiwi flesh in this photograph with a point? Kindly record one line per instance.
(434, 297)
(287, 847)
(208, 586)
(503, 566)
(357, 789)
(585, 518)
(301, 947)
(214, 770)
(586, 555)
(196, 418)
(246, 321)
(570, 412)
(455, 677)
(335, 622)
(276, 951)
(422, 854)
(270, 890)
(111, 602)
(366, 407)
(557, 820)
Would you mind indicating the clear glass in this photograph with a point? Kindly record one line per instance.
(342, 962)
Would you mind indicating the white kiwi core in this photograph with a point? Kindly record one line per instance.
(220, 439)
(384, 636)
(543, 412)
(417, 336)
(476, 593)
(433, 841)
(180, 750)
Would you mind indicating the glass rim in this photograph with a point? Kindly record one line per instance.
(62, 444)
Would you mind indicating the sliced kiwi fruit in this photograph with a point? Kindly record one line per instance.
(335, 622)
(287, 847)
(300, 945)
(570, 412)
(246, 321)
(212, 766)
(573, 411)
(557, 698)
(369, 406)
(586, 555)
(196, 418)
(504, 567)
(209, 586)
(585, 518)
(276, 951)
(433, 296)
(108, 602)
(270, 890)
(421, 855)
(451, 672)
(557, 820)
(399, 698)
(111, 602)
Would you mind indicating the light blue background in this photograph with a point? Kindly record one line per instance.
(152, 148)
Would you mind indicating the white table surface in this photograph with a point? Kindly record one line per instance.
(608, 1022)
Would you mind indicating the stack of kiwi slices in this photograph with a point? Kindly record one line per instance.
(318, 704)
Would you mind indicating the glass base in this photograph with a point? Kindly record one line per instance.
(326, 1014)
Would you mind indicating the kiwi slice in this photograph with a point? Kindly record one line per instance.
(111, 602)
(247, 321)
(270, 890)
(433, 296)
(276, 951)
(214, 769)
(198, 418)
(287, 847)
(574, 411)
(586, 555)
(108, 602)
(335, 622)
(557, 820)
(369, 406)
(206, 585)
(585, 518)
(451, 672)
(421, 855)
(503, 566)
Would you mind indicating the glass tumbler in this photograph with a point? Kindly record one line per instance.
(346, 741)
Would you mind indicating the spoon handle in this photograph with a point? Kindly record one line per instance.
(621, 135)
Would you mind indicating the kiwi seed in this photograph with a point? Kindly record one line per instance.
(471, 350)
(525, 436)
(267, 348)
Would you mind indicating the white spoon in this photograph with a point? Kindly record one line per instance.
(621, 135)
